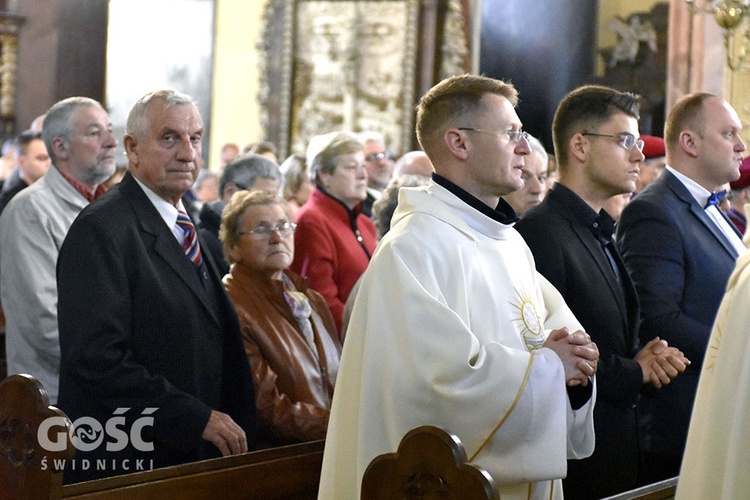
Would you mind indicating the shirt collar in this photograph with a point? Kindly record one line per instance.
(85, 191)
(166, 210)
(700, 193)
(601, 224)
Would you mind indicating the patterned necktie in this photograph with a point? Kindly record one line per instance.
(715, 199)
(190, 241)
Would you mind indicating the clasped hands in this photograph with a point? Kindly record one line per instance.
(579, 355)
(660, 362)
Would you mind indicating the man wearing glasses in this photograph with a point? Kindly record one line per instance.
(452, 325)
(680, 250)
(379, 166)
(595, 131)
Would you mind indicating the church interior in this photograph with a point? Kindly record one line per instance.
(284, 71)
(255, 66)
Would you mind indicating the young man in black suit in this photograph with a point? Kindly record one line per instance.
(145, 324)
(595, 131)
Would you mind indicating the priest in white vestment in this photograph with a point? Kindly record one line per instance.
(452, 325)
(717, 454)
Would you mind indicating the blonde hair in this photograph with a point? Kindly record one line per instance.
(454, 99)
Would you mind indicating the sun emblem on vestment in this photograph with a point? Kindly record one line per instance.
(531, 324)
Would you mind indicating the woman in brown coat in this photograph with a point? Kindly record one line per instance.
(288, 331)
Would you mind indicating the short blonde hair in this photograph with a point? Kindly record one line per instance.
(234, 215)
(454, 99)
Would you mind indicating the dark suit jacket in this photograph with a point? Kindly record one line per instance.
(680, 263)
(142, 327)
(568, 254)
(11, 188)
(208, 228)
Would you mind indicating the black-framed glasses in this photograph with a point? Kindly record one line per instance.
(264, 231)
(379, 156)
(626, 140)
(515, 135)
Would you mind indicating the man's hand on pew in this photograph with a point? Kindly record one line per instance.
(225, 434)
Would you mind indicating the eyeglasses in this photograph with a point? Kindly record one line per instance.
(263, 231)
(515, 135)
(379, 156)
(626, 140)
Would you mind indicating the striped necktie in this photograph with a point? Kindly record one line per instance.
(190, 244)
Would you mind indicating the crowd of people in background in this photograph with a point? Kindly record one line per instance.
(235, 302)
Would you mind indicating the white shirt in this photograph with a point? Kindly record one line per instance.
(167, 211)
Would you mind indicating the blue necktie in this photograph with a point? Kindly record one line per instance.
(715, 199)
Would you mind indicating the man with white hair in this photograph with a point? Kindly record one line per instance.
(145, 323)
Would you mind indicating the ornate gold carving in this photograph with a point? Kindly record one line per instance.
(8, 57)
(455, 48)
(346, 64)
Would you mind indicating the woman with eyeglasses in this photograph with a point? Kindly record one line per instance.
(288, 332)
(334, 239)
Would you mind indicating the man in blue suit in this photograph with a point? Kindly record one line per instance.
(680, 250)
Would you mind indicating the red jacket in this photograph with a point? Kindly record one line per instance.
(327, 251)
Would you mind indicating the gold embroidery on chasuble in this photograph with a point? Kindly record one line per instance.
(532, 332)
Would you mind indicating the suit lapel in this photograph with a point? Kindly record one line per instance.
(594, 248)
(683, 194)
(164, 243)
(597, 253)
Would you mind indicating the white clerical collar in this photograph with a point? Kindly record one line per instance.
(167, 211)
(700, 193)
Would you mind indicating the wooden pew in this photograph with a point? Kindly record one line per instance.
(430, 463)
(663, 490)
(428, 459)
(291, 472)
(23, 406)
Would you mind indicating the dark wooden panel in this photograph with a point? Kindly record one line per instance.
(82, 49)
(546, 48)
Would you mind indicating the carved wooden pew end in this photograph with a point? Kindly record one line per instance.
(430, 463)
(26, 468)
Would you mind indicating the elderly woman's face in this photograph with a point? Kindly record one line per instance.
(258, 249)
(348, 182)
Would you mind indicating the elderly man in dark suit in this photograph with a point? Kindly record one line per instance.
(680, 250)
(570, 234)
(146, 329)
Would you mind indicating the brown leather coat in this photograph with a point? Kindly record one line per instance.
(293, 387)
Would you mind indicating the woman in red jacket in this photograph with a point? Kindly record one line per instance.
(334, 241)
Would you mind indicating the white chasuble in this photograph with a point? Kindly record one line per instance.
(446, 330)
(717, 453)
